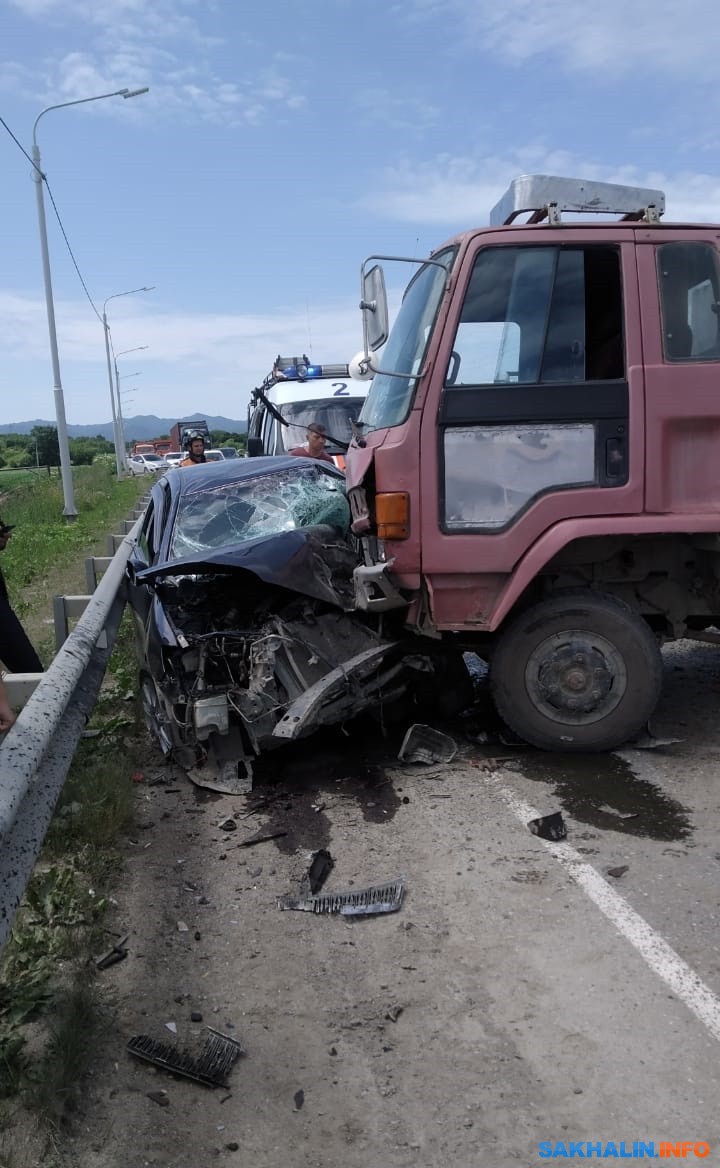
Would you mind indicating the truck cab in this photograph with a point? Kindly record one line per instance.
(537, 467)
(297, 392)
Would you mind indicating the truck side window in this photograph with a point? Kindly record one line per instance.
(690, 301)
(540, 315)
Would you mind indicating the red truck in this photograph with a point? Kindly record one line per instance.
(154, 446)
(535, 470)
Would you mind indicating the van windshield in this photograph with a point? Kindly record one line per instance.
(390, 398)
(335, 415)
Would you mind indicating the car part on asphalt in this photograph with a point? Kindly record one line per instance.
(549, 827)
(118, 952)
(378, 898)
(424, 744)
(211, 1068)
(320, 868)
(262, 837)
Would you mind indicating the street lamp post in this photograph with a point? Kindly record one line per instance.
(69, 510)
(121, 424)
(118, 436)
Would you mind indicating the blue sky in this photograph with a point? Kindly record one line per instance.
(283, 141)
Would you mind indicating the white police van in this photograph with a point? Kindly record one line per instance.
(297, 392)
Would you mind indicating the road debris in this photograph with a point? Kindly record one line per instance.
(424, 744)
(228, 824)
(299, 1099)
(219, 1054)
(117, 953)
(159, 1097)
(549, 827)
(378, 898)
(321, 865)
(261, 837)
(393, 1013)
(649, 741)
(619, 871)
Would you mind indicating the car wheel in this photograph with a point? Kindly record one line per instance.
(580, 671)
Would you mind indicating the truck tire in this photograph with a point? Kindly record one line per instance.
(577, 672)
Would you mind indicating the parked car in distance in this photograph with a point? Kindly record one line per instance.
(139, 464)
(228, 452)
(241, 589)
(174, 457)
(214, 456)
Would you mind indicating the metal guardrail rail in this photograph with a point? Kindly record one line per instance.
(37, 751)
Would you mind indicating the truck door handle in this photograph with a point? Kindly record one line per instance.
(615, 458)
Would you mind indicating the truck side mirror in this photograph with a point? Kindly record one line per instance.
(374, 309)
(254, 448)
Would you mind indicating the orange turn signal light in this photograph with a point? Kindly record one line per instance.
(392, 515)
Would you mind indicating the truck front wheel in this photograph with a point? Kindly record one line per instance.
(577, 672)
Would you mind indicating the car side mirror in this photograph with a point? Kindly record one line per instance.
(133, 567)
(255, 448)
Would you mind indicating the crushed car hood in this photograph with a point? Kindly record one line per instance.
(313, 562)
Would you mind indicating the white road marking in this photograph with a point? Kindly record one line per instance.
(655, 951)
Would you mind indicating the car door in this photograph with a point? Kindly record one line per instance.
(141, 597)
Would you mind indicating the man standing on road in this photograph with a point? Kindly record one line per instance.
(314, 447)
(16, 651)
(194, 445)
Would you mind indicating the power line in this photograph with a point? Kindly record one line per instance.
(43, 178)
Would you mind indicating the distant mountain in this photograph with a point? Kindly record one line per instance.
(143, 426)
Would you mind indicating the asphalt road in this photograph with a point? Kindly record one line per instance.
(522, 1000)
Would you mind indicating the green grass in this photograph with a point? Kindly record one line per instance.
(50, 1002)
(10, 479)
(44, 539)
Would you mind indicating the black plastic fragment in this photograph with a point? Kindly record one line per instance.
(549, 827)
(320, 868)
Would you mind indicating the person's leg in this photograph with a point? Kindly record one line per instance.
(16, 650)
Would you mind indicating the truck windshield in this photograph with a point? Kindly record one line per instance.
(390, 398)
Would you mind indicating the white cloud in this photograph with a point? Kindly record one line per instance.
(650, 37)
(459, 192)
(191, 357)
(140, 42)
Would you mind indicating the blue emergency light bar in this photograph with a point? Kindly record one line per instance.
(302, 369)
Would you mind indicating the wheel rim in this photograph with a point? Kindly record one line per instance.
(576, 676)
(153, 714)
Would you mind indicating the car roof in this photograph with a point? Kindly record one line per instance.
(206, 475)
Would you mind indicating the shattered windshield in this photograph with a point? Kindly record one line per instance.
(234, 512)
(335, 415)
(390, 397)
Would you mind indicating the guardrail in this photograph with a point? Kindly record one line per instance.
(36, 753)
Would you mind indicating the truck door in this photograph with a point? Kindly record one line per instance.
(680, 298)
(539, 414)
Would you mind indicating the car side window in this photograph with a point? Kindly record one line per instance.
(690, 301)
(146, 541)
(540, 315)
